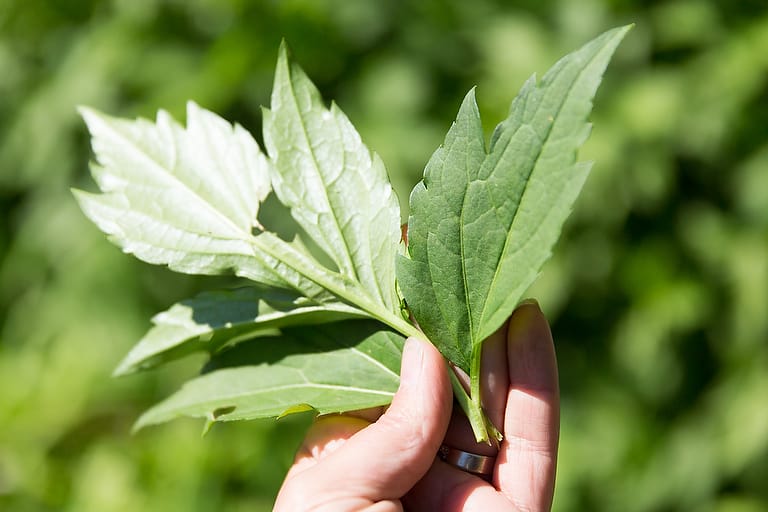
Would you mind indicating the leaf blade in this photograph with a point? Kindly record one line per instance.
(337, 190)
(352, 365)
(436, 293)
(200, 167)
(479, 233)
(562, 130)
(176, 197)
(212, 320)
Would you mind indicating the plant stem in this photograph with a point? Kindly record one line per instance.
(471, 408)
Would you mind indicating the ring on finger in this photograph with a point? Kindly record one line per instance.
(473, 463)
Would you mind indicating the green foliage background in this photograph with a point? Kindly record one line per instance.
(658, 292)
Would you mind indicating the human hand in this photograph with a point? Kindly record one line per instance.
(348, 463)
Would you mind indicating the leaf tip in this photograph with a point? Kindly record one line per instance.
(192, 109)
(90, 116)
(126, 367)
(83, 110)
(84, 199)
(618, 33)
(283, 53)
(141, 423)
(470, 102)
(284, 70)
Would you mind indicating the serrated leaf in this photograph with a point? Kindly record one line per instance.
(184, 198)
(337, 190)
(213, 320)
(189, 199)
(328, 368)
(483, 222)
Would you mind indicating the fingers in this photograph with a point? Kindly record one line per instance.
(385, 459)
(449, 489)
(528, 456)
(520, 393)
(402, 444)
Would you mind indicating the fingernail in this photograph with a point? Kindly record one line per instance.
(530, 351)
(529, 302)
(412, 364)
(524, 317)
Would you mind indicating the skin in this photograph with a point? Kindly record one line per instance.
(387, 462)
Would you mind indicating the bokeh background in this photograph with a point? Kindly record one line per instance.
(658, 292)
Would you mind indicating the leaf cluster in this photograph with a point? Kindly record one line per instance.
(306, 334)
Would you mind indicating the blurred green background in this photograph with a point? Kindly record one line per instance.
(658, 291)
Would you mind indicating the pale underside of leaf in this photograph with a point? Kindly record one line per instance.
(483, 222)
(328, 368)
(189, 199)
(214, 320)
(337, 190)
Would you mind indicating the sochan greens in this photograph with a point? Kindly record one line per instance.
(307, 335)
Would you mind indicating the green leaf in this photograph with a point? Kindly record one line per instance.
(189, 199)
(336, 189)
(484, 221)
(184, 198)
(328, 368)
(213, 320)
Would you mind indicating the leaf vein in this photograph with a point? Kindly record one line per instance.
(313, 156)
(158, 165)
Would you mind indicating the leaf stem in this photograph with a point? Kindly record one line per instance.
(338, 284)
(474, 375)
(472, 409)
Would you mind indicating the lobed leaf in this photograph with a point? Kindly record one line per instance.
(328, 368)
(336, 189)
(186, 198)
(213, 320)
(484, 221)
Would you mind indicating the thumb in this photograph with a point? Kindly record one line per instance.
(387, 458)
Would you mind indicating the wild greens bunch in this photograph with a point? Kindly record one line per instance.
(324, 332)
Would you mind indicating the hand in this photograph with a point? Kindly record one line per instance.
(348, 463)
